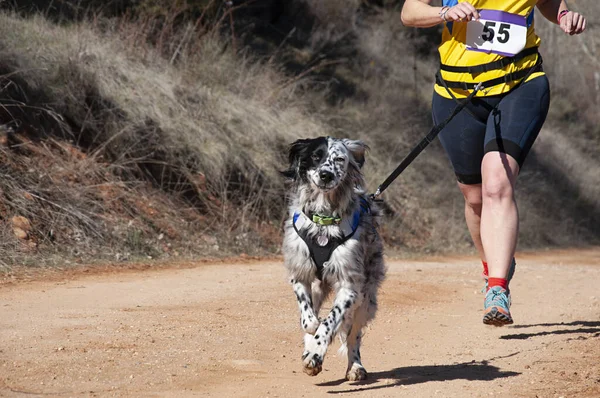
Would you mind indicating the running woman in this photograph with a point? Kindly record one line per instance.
(492, 42)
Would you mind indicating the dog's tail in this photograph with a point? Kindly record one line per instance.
(344, 332)
(343, 350)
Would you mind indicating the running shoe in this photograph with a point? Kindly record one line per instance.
(511, 272)
(496, 307)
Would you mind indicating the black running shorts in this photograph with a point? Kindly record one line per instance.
(507, 123)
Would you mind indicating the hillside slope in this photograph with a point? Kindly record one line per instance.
(113, 146)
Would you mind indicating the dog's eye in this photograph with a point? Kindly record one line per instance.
(316, 157)
(340, 159)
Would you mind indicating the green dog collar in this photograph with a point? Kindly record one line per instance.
(325, 220)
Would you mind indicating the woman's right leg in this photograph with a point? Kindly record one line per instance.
(473, 206)
(462, 139)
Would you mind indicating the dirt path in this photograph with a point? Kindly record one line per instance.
(232, 330)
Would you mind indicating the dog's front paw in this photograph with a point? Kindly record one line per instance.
(356, 373)
(310, 324)
(313, 363)
(314, 353)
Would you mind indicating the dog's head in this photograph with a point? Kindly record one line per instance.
(326, 162)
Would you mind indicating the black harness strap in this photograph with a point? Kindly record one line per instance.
(500, 64)
(321, 254)
(510, 77)
(527, 72)
(442, 82)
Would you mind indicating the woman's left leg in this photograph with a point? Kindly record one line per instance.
(499, 215)
(512, 128)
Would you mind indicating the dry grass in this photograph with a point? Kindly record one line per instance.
(132, 137)
(212, 129)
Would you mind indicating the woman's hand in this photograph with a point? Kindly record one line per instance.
(572, 23)
(461, 12)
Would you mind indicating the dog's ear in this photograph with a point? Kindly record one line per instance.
(296, 150)
(357, 149)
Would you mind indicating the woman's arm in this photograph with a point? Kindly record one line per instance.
(557, 11)
(420, 14)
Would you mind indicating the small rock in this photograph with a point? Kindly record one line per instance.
(21, 223)
(19, 233)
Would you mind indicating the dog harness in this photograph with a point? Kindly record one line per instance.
(320, 252)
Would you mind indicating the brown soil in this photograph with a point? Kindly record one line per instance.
(231, 330)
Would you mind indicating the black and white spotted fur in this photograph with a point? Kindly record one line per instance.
(326, 179)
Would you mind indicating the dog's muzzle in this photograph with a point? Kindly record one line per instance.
(326, 176)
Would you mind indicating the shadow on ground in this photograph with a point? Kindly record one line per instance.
(588, 327)
(574, 323)
(423, 374)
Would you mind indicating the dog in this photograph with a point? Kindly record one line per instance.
(331, 242)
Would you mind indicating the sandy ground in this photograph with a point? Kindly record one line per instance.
(231, 330)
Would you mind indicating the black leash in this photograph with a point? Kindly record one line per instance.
(424, 142)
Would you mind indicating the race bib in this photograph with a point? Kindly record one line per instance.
(497, 32)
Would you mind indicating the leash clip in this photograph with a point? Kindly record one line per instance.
(374, 197)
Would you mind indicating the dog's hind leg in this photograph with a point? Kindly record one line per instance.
(308, 318)
(350, 335)
(315, 347)
(356, 370)
(353, 336)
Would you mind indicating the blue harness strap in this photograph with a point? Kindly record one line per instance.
(530, 18)
(449, 3)
(321, 254)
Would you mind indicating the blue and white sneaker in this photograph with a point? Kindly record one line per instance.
(497, 307)
(511, 272)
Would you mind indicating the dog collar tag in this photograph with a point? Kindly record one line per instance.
(322, 240)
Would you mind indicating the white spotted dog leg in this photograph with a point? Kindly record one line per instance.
(356, 370)
(315, 346)
(362, 316)
(308, 319)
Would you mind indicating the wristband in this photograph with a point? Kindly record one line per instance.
(443, 12)
(562, 14)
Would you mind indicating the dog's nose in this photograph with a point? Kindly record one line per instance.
(326, 176)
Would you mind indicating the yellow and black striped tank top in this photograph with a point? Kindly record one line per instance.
(505, 31)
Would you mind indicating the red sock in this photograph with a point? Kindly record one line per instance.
(485, 268)
(503, 283)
